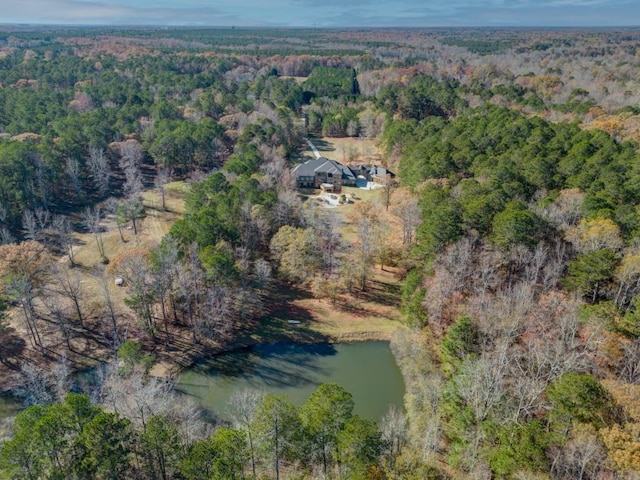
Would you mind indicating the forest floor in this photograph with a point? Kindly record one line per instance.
(92, 342)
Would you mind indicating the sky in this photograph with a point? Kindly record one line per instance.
(325, 13)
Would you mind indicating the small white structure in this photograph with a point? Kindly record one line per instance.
(119, 281)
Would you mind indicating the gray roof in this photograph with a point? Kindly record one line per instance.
(381, 172)
(322, 165)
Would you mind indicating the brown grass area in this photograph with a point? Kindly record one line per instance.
(155, 225)
(370, 315)
(346, 149)
(91, 343)
(373, 314)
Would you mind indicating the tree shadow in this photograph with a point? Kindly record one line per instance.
(381, 293)
(12, 348)
(322, 144)
(272, 365)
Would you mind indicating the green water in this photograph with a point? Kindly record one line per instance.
(365, 369)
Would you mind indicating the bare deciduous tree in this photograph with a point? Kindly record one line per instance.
(104, 285)
(34, 387)
(164, 271)
(216, 314)
(389, 186)
(410, 215)
(135, 269)
(581, 458)
(394, 432)
(5, 236)
(73, 171)
(163, 177)
(62, 230)
(23, 289)
(30, 225)
(629, 365)
(243, 406)
(62, 322)
(288, 209)
(60, 378)
(130, 158)
(68, 283)
(261, 273)
(100, 170)
(91, 220)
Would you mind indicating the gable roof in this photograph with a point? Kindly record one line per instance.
(322, 165)
(381, 172)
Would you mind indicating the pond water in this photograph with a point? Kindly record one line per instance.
(365, 369)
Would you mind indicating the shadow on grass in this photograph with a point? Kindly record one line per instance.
(381, 293)
(322, 145)
(276, 325)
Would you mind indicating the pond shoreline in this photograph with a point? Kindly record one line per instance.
(367, 370)
(166, 369)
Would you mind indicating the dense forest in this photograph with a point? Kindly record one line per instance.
(163, 159)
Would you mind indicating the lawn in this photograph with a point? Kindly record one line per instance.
(346, 149)
(370, 315)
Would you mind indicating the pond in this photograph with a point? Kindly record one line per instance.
(365, 369)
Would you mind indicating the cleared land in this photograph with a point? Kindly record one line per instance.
(346, 149)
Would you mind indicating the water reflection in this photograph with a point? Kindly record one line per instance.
(367, 370)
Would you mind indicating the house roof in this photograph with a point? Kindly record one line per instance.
(322, 165)
(380, 172)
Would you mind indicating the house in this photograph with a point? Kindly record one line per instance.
(331, 175)
(318, 171)
(380, 174)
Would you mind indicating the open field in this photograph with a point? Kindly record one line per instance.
(346, 149)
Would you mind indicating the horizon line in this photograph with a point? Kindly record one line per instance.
(310, 27)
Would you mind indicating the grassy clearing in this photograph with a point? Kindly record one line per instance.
(346, 150)
(152, 228)
(370, 315)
